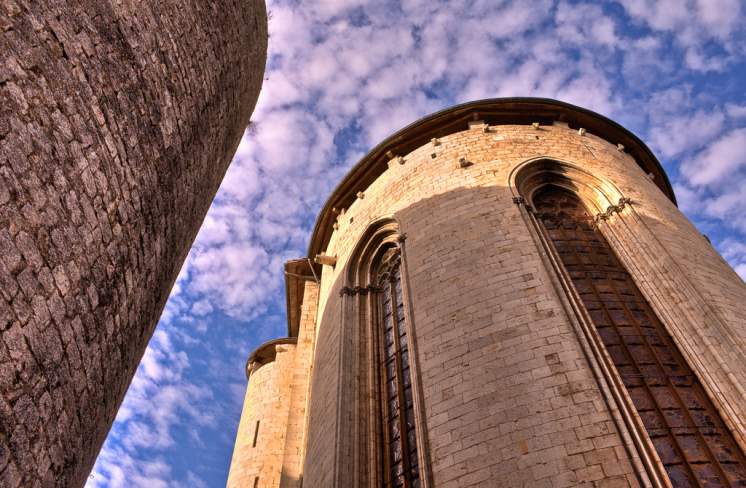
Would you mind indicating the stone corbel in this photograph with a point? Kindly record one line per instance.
(464, 163)
(326, 260)
(393, 158)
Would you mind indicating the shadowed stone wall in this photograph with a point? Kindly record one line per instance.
(117, 123)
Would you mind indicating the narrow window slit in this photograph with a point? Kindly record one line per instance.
(256, 434)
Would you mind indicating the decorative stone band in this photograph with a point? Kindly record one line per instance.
(612, 209)
(358, 290)
(601, 216)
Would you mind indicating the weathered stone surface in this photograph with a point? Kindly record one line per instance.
(117, 123)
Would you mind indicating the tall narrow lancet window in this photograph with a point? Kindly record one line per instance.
(401, 466)
(694, 444)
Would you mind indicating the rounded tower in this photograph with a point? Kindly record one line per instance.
(509, 296)
(265, 414)
(118, 122)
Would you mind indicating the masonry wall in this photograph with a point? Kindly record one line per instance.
(260, 441)
(292, 463)
(509, 396)
(277, 397)
(118, 121)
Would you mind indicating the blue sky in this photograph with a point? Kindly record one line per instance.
(341, 76)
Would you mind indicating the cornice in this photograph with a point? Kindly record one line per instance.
(495, 111)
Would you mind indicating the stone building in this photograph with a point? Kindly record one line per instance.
(503, 293)
(117, 123)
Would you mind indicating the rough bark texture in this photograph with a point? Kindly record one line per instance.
(117, 123)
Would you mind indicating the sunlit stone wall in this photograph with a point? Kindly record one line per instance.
(270, 442)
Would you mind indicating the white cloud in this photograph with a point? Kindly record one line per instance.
(694, 24)
(735, 111)
(687, 131)
(201, 307)
(689, 18)
(689, 199)
(585, 24)
(235, 276)
(158, 401)
(118, 469)
(720, 161)
(591, 90)
(714, 181)
(194, 481)
(700, 61)
(734, 251)
(721, 17)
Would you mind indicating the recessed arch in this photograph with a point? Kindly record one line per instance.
(560, 198)
(376, 311)
(690, 436)
(526, 179)
(379, 234)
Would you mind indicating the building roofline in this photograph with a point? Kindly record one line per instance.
(297, 272)
(266, 352)
(495, 111)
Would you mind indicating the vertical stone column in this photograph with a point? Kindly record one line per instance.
(117, 123)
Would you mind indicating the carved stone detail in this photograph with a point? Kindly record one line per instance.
(612, 209)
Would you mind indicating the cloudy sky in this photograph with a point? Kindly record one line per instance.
(341, 76)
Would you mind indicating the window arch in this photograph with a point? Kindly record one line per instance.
(530, 176)
(390, 449)
(691, 440)
(398, 426)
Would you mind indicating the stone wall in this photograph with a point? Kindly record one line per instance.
(275, 403)
(260, 440)
(292, 464)
(509, 392)
(117, 124)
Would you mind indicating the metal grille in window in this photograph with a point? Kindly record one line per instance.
(694, 444)
(401, 467)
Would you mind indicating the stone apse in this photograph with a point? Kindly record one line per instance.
(503, 293)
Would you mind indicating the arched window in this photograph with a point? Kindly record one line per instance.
(398, 430)
(691, 439)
